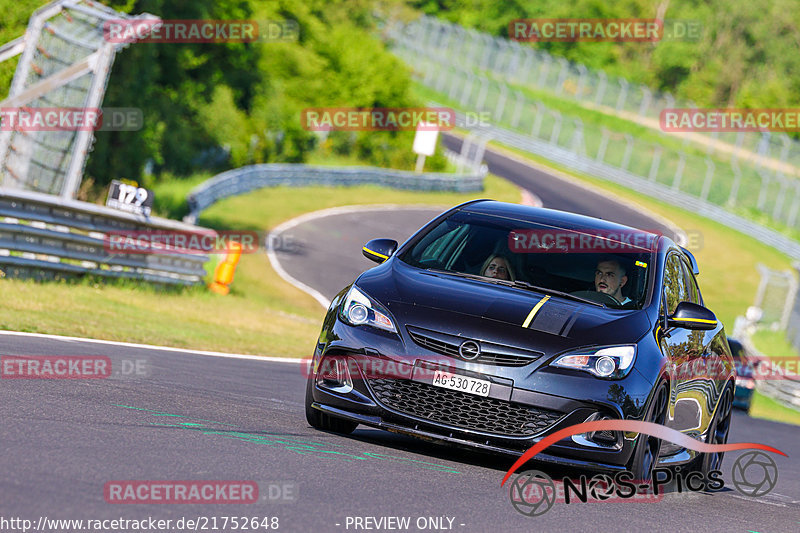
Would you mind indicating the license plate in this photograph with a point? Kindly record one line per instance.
(446, 380)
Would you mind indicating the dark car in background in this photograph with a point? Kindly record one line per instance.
(495, 325)
(745, 384)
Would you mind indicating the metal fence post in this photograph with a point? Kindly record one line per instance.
(556, 127)
(577, 146)
(601, 150)
(501, 102)
(737, 179)
(647, 96)
(778, 207)
(626, 157)
(792, 218)
(527, 64)
(791, 296)
(454, 84)
(500, 46)
(562, 75)
(656, 162)
(707, 181)
(514, 64)
(762, 194)
(676, 183)
(482, 94)
(467, 90)
(517, 109)
(623, 93)
(487, 50)
(582, 72)
(544, 68)
(601, 91)
(537, 123)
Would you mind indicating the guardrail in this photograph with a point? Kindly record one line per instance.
(793, 324)
(246, 179)
(783, 386)
(46, 237)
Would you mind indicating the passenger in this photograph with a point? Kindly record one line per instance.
(609, 278)
(497, 266)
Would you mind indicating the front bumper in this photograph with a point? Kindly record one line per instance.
(359, 402)
(451, 439)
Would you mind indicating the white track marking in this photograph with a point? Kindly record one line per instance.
(65, 338)
(528, 198)
(273, 258)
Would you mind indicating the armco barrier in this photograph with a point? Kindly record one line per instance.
(245, 179)
(785, 390)
(45, 237)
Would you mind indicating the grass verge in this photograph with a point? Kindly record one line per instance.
(767, 408)
(262, 314)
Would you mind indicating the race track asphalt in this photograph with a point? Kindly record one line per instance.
(189, 416)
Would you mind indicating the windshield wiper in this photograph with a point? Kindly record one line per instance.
(554, 292)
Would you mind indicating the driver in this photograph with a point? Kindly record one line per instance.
(497, 266)
(609, 278)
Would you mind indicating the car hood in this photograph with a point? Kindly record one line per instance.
(495, 313)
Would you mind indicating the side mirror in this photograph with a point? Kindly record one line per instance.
(379, 250)
(692, 316)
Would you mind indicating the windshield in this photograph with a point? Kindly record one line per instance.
(607, 267)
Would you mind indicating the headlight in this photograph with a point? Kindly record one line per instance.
(359, 309)
(612, 362)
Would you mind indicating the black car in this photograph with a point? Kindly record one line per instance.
(497, 324)
(745, 383)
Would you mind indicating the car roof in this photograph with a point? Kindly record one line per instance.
(542, 215)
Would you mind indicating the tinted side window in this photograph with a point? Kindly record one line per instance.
(434, 244)
(674, 283)
(691, 285)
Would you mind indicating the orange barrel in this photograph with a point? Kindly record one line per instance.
(223, 274)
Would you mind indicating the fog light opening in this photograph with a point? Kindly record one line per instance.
(333, 374)
(604, 439)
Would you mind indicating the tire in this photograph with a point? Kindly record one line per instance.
(646, 452)
(319, 420)
(718, 433)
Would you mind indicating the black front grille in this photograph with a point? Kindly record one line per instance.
(462, 410)
(436, 345)
(490, 354)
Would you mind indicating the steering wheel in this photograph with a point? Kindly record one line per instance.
(599, 297)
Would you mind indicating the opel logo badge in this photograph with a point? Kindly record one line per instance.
(469, 350)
